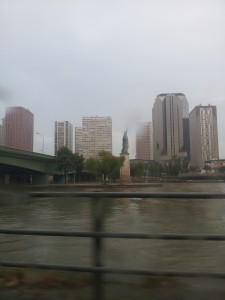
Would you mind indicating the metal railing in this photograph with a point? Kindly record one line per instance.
(98, 234)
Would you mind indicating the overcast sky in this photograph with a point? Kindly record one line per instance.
(67, 59)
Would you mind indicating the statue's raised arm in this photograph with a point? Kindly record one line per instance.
(125, 143)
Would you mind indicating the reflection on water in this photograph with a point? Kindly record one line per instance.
(121, 215)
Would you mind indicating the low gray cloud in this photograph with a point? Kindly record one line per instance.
(68, 59)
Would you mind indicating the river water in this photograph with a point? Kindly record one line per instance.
(124, 215)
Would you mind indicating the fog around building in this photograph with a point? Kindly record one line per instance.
(67, 59)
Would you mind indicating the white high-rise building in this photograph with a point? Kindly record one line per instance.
(63, 135)
(203, 135)
(144, 148)
(170, 117)
(78, 140)
(94, 136)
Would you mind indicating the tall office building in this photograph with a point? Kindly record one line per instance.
(2, 132)
(63, 135)
(19, 128)
(170, 118)
(144, 148)
(94, 136)
(203, 135)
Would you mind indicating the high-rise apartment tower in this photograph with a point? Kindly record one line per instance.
(63, 135)
(144, 144)
(203, 135)
(78, 140)
(19, 128)
(94, 136)
(170, 118)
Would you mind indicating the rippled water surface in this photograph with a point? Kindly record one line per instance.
(120, 215)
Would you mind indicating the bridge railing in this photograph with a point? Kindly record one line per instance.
(98, 235)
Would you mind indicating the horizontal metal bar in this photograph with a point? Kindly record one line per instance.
(48, 233)
(160, 236)
(106, 270)
(130, 195)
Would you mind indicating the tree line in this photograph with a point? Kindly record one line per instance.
(155, 169)
(105, 166)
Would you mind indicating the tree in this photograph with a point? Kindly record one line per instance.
(155, 169)
(91, 165)
(65, 161)
(78, 162)
(117, 163)
(105, 164)
(222, 169)
(137, 169)
(109, 165)
(207, 168)
(192, 169)
(68, 162)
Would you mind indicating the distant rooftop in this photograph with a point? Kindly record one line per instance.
(176, 94)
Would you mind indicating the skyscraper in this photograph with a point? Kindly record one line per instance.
(203, 135)
(170, 118)
(63, 135)
(94, 136)
(144, 148)
(2, 132)
(19, 128)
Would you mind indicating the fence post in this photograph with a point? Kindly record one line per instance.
(97, 255)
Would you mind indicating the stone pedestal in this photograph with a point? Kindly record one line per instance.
(125, 169)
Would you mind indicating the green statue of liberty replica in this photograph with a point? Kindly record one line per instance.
(125, 143)
(125, 169)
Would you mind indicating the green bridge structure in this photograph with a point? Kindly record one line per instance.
(25, 167)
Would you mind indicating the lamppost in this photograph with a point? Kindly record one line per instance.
(43, 141)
